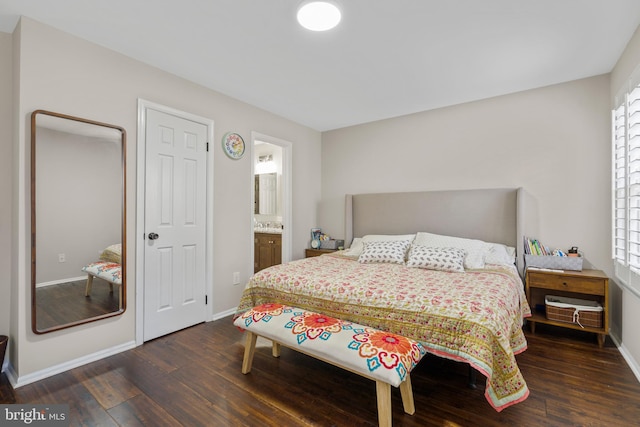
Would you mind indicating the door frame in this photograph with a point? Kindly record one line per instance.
(143, 106)
(287, 194)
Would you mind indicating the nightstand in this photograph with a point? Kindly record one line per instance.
(308, 253)
(586, 284)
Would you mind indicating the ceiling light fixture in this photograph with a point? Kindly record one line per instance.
(319, 15)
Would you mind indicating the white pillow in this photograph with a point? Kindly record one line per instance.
(475, 249)
(500, 254)
(392, 252)
(441, 259)
(356, 247)
(358, 243)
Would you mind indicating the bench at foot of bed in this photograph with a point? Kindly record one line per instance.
(380, 356)
(108, 271)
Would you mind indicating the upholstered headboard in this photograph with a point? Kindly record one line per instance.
(502, 215)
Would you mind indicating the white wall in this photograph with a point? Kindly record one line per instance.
(62, 73)
(628, 302)
(6, 180)
(553, 141)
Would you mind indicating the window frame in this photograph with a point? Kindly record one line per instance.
(625, 184)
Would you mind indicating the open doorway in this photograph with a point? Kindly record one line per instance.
(270, 201)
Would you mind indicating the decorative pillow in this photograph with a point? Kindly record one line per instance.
(112, 254)
(441, 259)
(475, 249)
(357, 246)
(500, 254)
(392, 252)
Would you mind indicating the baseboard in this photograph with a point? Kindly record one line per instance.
(223, 314)
(63, 367)
(61, 281)
(633, 364)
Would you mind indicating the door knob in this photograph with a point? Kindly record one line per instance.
(153, 236)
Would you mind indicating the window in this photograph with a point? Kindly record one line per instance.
(625, 119)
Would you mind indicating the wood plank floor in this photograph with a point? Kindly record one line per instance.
(65, 303)
(192, 378)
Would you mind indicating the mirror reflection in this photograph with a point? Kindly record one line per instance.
(266, 194)
(77, 193)
(268, 171)
(267, 213)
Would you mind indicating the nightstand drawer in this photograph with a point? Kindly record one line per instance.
(308, 253)
(585, 285)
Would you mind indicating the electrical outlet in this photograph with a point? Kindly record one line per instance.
(236, 278)
(62, 257)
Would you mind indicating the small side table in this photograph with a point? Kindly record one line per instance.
(585, 284)
(308, 253)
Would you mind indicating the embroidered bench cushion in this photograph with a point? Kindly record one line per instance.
(109, 271)
(377, 354)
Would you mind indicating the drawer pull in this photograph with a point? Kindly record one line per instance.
(564, 283)
(271, 241)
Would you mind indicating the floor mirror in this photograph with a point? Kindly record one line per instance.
(78, 250)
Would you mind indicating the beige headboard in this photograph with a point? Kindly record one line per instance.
(501, 215)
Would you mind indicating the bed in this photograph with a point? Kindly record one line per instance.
(473, 315)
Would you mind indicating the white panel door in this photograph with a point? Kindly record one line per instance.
(268, 193)
(175, 224)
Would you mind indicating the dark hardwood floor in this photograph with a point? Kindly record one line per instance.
(65, 303)
(193, 378)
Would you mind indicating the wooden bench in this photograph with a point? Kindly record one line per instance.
(380, 356)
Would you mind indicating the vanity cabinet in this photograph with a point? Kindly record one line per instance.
(267, 250)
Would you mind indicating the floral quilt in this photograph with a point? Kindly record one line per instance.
(474, 317)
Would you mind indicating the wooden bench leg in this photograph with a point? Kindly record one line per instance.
(407, 396)
(249, 350)
(87, 289)
(275, 349)
(383, 395)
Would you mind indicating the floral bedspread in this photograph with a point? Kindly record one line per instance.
(475, 317)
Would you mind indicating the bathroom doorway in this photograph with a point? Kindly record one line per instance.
(271, 201)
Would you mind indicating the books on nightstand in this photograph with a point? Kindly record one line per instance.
(540, 256)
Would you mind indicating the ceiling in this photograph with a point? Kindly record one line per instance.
(387, 58)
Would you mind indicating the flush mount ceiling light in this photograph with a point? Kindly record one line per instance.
(319, 15)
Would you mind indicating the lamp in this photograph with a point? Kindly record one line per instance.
(319, 15)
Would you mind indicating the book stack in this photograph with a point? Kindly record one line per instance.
(534, 247)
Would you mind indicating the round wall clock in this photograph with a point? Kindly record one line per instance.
(233, 145)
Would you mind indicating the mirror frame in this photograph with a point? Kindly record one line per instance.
(34, 326)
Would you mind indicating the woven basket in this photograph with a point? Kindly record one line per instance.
(585, 313)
